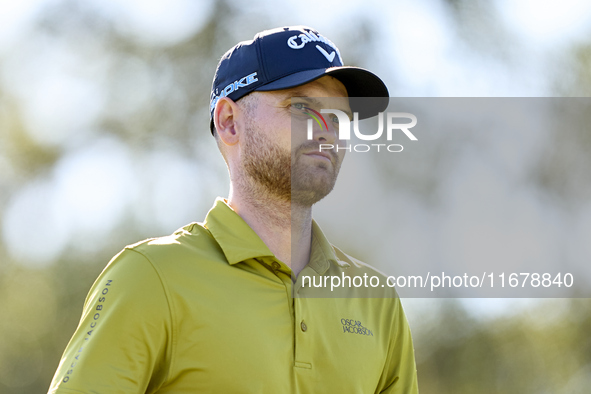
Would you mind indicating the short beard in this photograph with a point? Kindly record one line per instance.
(272, 169)
(267, 166)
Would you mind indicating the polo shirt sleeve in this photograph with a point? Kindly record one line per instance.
(123, 341)
(400, 372)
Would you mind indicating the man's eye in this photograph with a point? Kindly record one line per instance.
(298, 106)
(335, 119)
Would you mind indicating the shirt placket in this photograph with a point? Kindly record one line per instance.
(298, 316)
(304, 328)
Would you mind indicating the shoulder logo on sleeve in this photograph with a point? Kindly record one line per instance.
(94, 321)
(352, 326)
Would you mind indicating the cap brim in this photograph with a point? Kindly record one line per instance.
(368, 94)
(359, 82)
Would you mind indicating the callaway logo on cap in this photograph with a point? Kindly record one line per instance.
(287, 57)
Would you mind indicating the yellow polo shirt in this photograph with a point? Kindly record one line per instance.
(209, 309)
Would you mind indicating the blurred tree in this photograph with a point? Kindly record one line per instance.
(155, 96)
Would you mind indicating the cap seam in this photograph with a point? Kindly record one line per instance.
(261, 60)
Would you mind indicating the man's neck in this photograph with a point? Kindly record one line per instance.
(284, 227)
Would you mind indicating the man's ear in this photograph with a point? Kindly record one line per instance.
(224, 119)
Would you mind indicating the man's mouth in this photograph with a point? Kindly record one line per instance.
(320, 155)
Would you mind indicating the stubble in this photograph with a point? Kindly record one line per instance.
(277, 173)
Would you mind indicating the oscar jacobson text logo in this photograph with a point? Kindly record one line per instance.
(352, 326)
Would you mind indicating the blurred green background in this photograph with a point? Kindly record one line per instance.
(104, 141)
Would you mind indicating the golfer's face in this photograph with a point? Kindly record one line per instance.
(282, 119)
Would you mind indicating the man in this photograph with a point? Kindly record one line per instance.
(213, 308)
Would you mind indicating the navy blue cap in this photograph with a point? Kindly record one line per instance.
(287, 57)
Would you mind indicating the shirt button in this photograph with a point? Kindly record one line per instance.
(275, 265)
(303, 326)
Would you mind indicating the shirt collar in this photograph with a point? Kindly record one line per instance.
(322, 253)
(239, 242)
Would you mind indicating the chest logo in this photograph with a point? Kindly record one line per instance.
(352, 326)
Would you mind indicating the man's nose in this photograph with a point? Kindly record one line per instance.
(325, 133)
